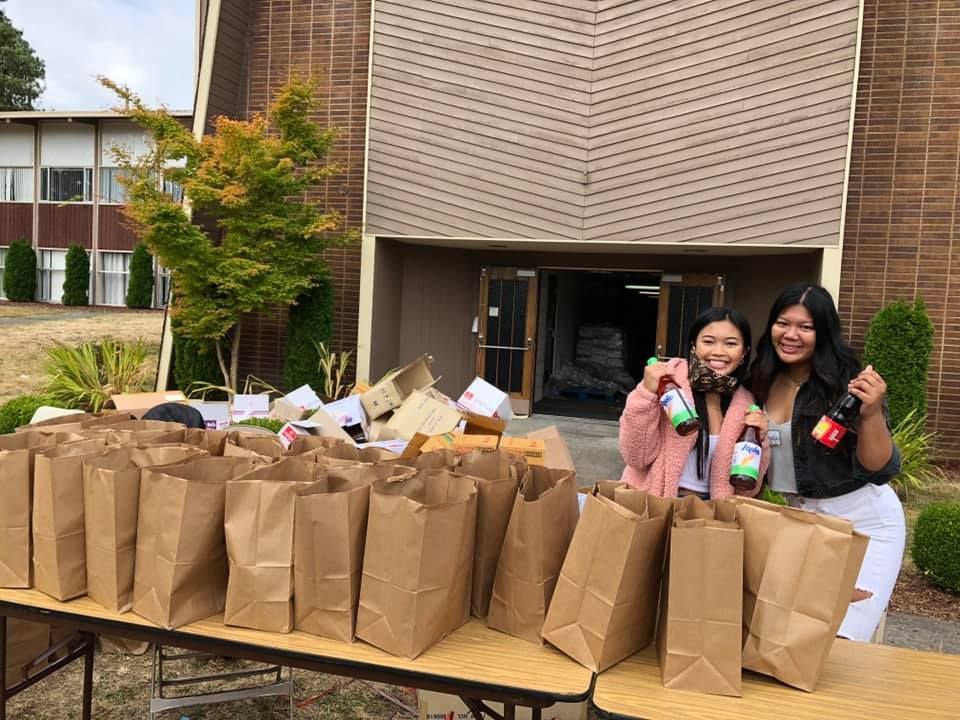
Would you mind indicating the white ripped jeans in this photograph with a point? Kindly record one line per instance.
(874, 510)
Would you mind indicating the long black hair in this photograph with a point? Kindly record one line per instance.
(834, 362)
(712, 315)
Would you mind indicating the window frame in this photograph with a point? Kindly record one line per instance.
(45, 184)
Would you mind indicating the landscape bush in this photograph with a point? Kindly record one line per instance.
(936, 539)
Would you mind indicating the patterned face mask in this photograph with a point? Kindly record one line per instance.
(705, 379)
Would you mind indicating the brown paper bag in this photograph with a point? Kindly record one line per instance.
(800, 570)
(137, 431)
(181, 565)
(498, 475)
(59, 555)
(310, 443)
(213, 441)
(541, 525)
(25, 642)
(604, 607)
(111, 500)
(258, 524)
(261, 444)
(330, 529)
(700, 631)
(76, 422)
(417, 562)
(16, 501)
(346, 451)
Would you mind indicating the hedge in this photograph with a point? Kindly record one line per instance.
(140, 287)
(936, 544)
(310, 321)
(898, 344)
(76, 285)
(20, 272)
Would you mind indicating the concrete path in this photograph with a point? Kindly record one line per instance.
(593, 444)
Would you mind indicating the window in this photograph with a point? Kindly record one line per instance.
(111, 189)
(114, 272)
(162, 286)
(173, 189)
(66, 184)
(51, 272)
(16, 184)
(3, 261)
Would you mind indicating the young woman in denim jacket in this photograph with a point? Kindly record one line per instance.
(803, 365)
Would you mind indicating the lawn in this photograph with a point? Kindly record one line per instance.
(28, 329)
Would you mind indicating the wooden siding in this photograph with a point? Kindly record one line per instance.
(710, 121)
(226, 79)
(16, 221)
(64, 225)
(114, 231)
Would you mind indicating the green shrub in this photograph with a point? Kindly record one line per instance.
(140, 287)
(19, 411)
(76, 284)
(311, 322)
(20, 272)
(915, 443)
(196, 362)
(269, 423)
(898, 344)
(936, 539)
(84, 377)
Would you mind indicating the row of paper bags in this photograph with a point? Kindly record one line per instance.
(744, 584)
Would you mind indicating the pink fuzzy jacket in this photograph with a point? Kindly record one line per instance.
(655, 454)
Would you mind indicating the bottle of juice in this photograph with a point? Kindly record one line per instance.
(682, 415)
(746, 455)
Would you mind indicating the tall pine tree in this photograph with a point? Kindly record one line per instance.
(140, 287)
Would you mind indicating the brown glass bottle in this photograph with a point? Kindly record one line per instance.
(682, 415)
(832, 427)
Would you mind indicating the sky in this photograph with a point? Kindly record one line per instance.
(146, 44)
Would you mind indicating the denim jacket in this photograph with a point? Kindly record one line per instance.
(823, 473)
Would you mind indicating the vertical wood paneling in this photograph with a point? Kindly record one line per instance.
(717, 121)
(64, 225)
(16, 222)
(115, 232)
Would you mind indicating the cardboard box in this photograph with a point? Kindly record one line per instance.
(246, 406)
(556, 453)
(216, 414)
(296, 404)
(474, 424)
(482, 398)
(438, 442)
(466, 443)
(532, 450)
(421, 414)
(391, 392)
(438, 706)
(351, 416)
(139, 403)
(320, 423)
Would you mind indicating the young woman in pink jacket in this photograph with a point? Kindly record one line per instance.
(665, 463)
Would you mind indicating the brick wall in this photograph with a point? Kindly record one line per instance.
(327, 40)
(902, 207)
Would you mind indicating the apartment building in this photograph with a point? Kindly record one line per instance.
(59, 186)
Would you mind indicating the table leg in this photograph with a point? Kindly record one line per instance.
(87, 676)
(509, 711)
(536, 713)
(3, 667)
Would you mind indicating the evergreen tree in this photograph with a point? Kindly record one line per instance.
(21, 71)
(20, 272)
(76, 284)
(140, 287)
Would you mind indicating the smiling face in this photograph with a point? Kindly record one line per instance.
(794, 336)
(720, 346)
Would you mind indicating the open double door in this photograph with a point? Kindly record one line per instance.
(508, 320)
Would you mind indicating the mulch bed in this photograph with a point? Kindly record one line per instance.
(913, 595)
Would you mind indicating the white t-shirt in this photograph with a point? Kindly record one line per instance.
(689, 479)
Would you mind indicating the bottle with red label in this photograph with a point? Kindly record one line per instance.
(682, 415)
(746, 455)
(832, 427)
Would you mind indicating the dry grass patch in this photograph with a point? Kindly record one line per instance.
(26, 331)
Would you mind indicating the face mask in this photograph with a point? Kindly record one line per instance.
(705, 379)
